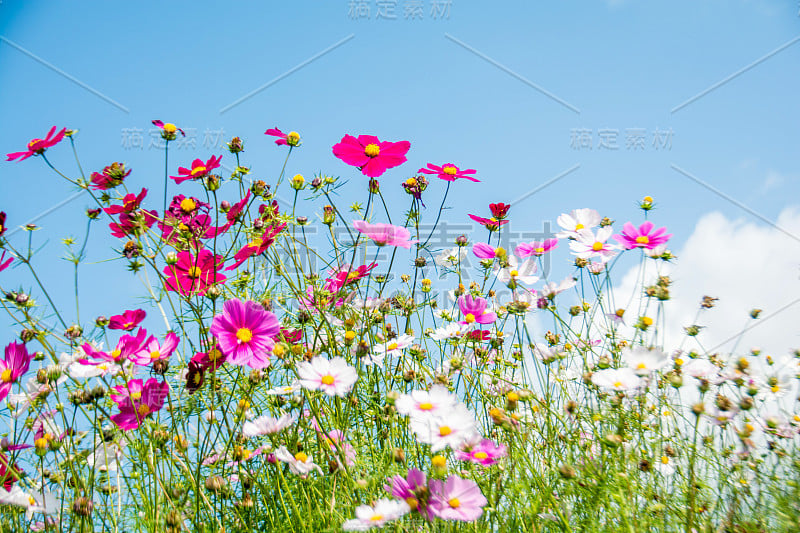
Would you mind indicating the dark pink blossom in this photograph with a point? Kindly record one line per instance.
(370, 155)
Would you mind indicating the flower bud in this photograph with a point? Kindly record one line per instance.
(236, 145)
(298, 182)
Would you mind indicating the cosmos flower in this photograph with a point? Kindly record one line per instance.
(451, 429)
(412, 489)
(332, 376)
(299, 463)
(426, 404)
(483, 453)
(456, 499)
(517, 272)
(492, 224)
(267, 425)
(617, 379)
(643, 361)
(127, 321)
(485, 251)
(38, 146)
(379, 514)
(385, 234)
(193, 275)
(153, 351)
(198, 171)
(168, 129)
(112, 176)
(577, 220)
(291, 139)
(474, 310)
(587, 244)
(245, 333)
(535, 248)
(257, 246)
(370, 155)
(140, 404)
(642, 237)
(16, 362)
(448, 172)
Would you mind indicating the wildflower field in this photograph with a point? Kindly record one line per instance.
(363, 376)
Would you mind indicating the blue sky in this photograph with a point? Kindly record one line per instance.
(506, 88)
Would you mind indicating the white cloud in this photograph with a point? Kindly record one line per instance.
(746, 265)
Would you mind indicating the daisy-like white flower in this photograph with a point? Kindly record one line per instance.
(517, 272)
(424, 404)
(451, 257)
(700, 368)
(452, 330)
(617, 379)
(266, 425)
(299, 463)
(392, 347)
(644, 361)
(378, 515)
(452, 429)
(577, 220)
(665, 466)
(587, 244)
(550, 290)
(285, 389)
(368, 303)
(332, 376)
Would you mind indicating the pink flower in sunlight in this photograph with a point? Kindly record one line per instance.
(127, 321)
(38, 146)
(456, 499)
(474, 310)
(492, 224)
(130, 203)
(152, 351)
(535, 248)
(139, 403)
(245, 332)
(257, 246)
(370, 155)
(112, 176)
(193, 275)
(291, 139)
(385, 234)
(631, 237)
(168, 128)
(4, 265)
(198, 171)
(483, 453)
(13, 366)
(449, 172)
(485, 251)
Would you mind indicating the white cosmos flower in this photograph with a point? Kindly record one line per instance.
(332, 376)
(644, 361)
(551, 289)
(385, 510)
(618, 379)
(421, 403)
(267, 425)
(524, 272)
(452, 429)
(577, 220)
(285, 389)
(451, 331)
(587, 244)
(299, 463)
(450, 257)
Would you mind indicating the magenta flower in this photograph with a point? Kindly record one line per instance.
(112, 176)
(385, 234)
(492, 224)
(2, 223)
(631, 237)
(38, 146)
(13, 366)
(291, 139)
(370, 155)
(151, 350)
(484, 453)
(168, 128)
(535, 248)
(245, 333)
(193, 275)
(130, 203)
(198, 171)
(4, 264)
(140, 403)
(485, 251)
(474, 310)
(127, 345)
(127, 321)
(257, 246)
(456, 499)
(412, 489)
(449, 172)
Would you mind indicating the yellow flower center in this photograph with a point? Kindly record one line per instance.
(376, 518)
(665, 459)
(481, 455)
(136, 395)
(642, 239)
(641, 366)
(499, 252)
(194, 272)
(5, 377)
(244, 334)
(349, 335)
(425, 406)
(413, 503)
(775, 388)
(293, 136)
(372, 150)
(648, 199)
(450, 170)
(188, 205)
(155, 354)
(513, 273)
(470, 318)
(617, 384)
(33, 143)
(579, 226)
(619, 312)
(214, 354)
(300, 456)
(410, 182)
(143, 410)
(115, 354)
(298, 178)
(198, 170)
(392, 346)
(439, 461)
(445, 431)
(678, 362)
(597, 246)
(647, 321)
(454, 503)
(539, 250)
(328, 380)
(170, 127)
(183, 227)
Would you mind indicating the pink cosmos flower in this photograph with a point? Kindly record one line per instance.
(257, 246)
(332, 376)
(412, 489)
(385, 234)
(291, 139)
(484, 453)
(631, 237)
(456, 499)
(492, 224)
(141, 404)
(127, 321)
(4, 265)
(130, 203)
(474, 310)
(112, 176)
(198, 171)
(193, 275)
(13, 366)
(38, 146)
(151, 350)
(587, 244)
(485, 251)
(449, 172)
(245, 333)
(370, 155)
(126, 347)
(133, 223)
(535, 248)
(232, 216)
(168, 127)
